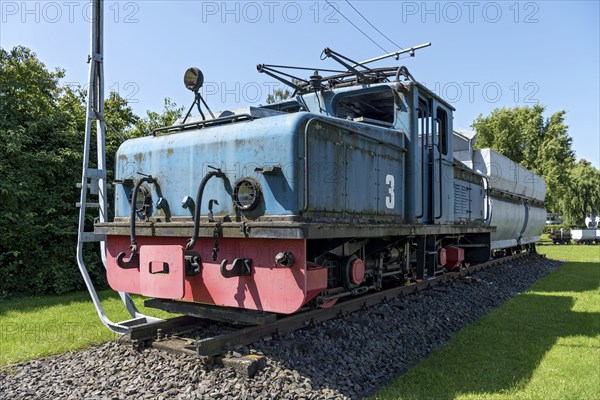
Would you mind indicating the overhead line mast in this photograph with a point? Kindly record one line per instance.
(93, 178)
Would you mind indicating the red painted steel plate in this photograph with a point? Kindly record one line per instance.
(162, 271)
(121, 280)
(269, 287)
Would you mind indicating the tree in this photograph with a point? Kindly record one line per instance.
(582, 193)
(540, 145)
(41, 141)
(278, 95)
(152, 120)
(40, 124)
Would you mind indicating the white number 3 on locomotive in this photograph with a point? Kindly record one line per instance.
(389, 198)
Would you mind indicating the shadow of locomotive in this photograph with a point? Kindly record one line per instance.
(519, 344)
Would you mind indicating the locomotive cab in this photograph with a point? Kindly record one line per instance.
(432, 158)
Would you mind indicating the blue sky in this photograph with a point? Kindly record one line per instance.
(485, 54)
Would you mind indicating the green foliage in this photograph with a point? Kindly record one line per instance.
(278, 95)
(152, 120)
(540, 145)
(582, 193)
(39, 131)
(41, 141)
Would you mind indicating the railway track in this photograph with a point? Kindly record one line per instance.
(343, 358)
(175, 335)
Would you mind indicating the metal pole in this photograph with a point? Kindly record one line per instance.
(96, 177)
(394, 54)
(94, 100)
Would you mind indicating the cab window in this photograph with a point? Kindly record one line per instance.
(367, 106)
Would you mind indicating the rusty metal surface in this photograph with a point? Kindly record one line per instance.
(179, 161)
(213, 313)
(350, 168)
(287, 230)
(181, 323)
(352, 176)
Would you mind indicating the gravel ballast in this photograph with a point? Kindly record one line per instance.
(341, 358)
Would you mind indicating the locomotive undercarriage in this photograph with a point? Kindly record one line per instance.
(359, 265)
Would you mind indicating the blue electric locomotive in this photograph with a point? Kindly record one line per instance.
(356, 182)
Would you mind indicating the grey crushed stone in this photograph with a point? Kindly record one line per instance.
(338, 359)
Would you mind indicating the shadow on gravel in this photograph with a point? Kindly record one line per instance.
(503, 351)
(356, 355)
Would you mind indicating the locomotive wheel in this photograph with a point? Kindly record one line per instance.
(353, 272)
(328, 304)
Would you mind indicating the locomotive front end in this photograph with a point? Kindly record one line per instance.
(201, 214)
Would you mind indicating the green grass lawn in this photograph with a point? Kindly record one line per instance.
(33, 327)
(543, 344)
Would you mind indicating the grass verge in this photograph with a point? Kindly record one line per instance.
(542, 344)
(34, 327)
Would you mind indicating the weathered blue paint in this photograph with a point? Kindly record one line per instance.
(179, 161)
(430, 198)
(349, 167)
(355, 169)
(358, 170)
